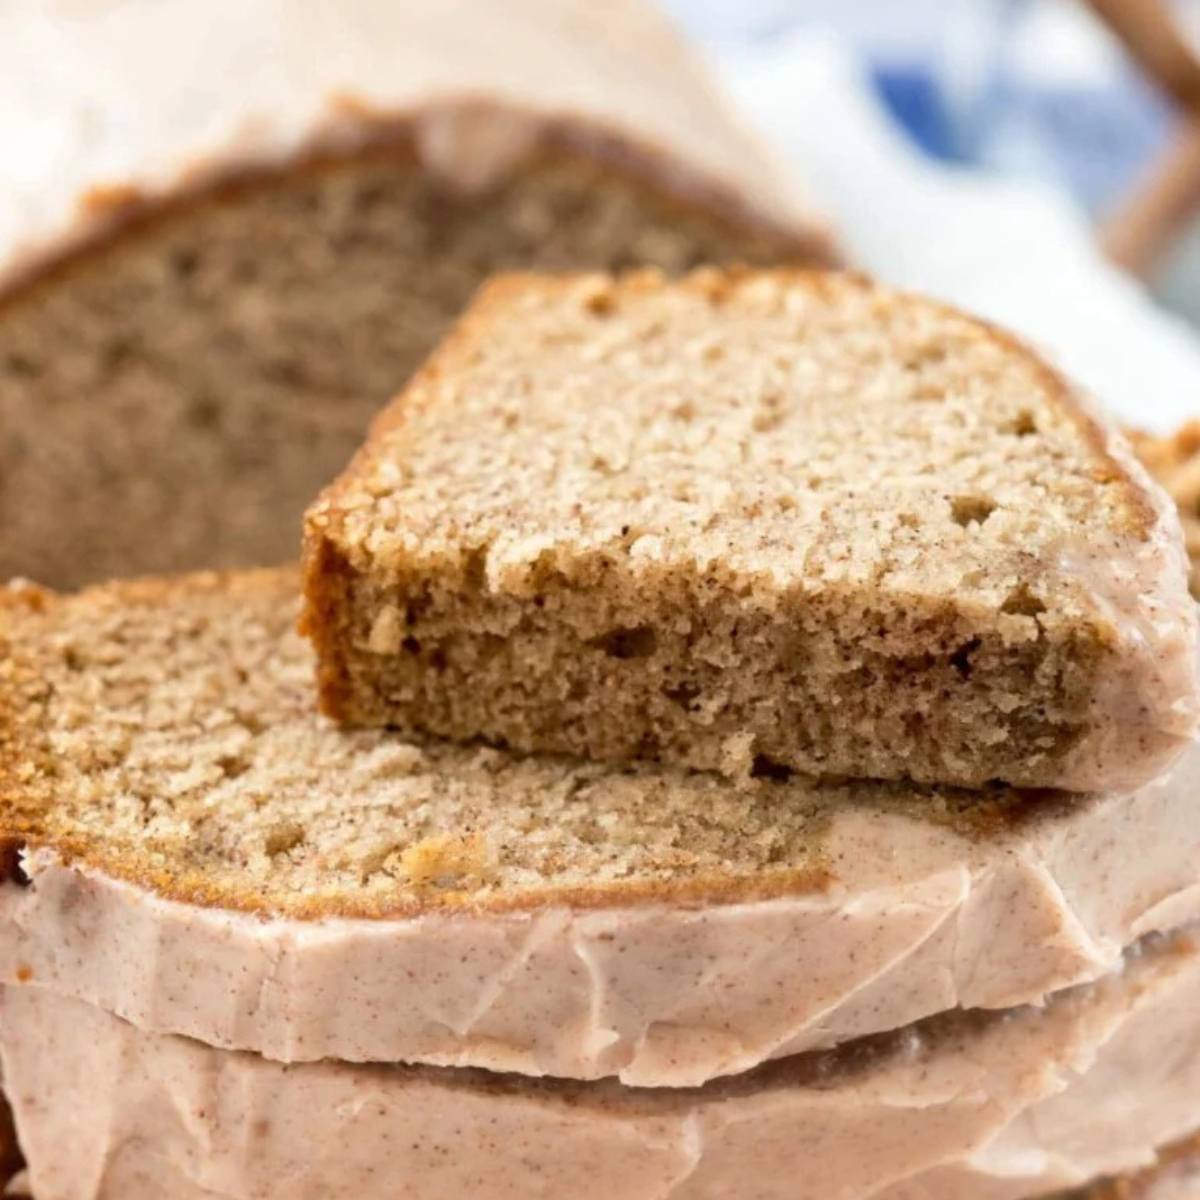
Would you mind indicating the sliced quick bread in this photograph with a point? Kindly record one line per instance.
(191, 846)
(755, 521)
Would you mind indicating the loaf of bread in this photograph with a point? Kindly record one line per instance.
(757, 522)
(230, 229)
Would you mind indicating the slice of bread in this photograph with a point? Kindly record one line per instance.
(1015, 1105)
(191, 846)
(755, 521)
(229, 231)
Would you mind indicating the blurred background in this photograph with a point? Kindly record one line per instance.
(1039, 88)
(922, 122)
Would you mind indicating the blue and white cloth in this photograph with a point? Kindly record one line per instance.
(963, 148)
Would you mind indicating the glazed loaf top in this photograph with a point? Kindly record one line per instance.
(104, 107)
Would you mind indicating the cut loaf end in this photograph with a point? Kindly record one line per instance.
(758, 522)
(211, 364)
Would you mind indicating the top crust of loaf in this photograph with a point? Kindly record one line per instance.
(163, 731)
(790, 439)
(479, 83)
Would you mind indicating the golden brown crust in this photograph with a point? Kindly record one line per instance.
(1175, 462)
(325, 572)
(192, 888)
(25, 764)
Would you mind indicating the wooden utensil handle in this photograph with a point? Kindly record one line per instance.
(1146, 222)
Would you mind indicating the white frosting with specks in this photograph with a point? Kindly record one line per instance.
(917, 919)
(1025, 1105)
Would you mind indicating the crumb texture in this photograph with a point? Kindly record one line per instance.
(755, 522)
(175, 398)
(169, 732)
